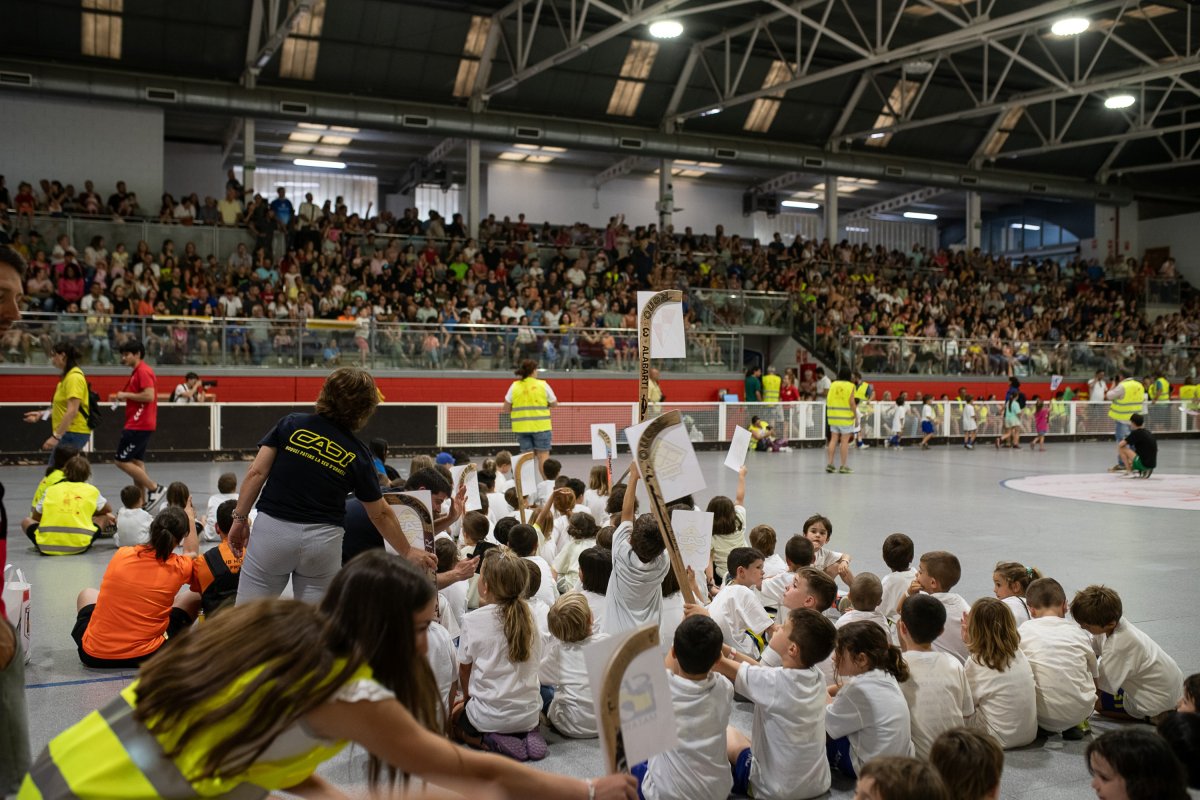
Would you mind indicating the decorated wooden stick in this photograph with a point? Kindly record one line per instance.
(644, 329)
(643, 639)
(521, 459)
(608, 451)
(646, 447)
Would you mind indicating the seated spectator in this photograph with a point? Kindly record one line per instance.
(133, 520)
(71, 513)
(216, 579)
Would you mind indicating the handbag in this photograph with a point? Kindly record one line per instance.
(17, 606)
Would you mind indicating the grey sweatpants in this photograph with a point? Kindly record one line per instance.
(308, 553)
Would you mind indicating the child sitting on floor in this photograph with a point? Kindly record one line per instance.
(866, 592)
(998, 673)
(937, 574)
(217, 570)
(1062, 659)
(762, 539)
(226, 490)
(819, 530)
(523, 539)
(797, 553)
(744, 623)
(581, 534)
(640, 561)
(571, 712)
(970, 763)
(937, 692)
(898, 555)
(1010, 580)
(133, 521)
(595, 570)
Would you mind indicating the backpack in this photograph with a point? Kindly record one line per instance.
(92, 414)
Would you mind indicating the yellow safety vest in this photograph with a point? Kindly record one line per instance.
(1130, 404)
(839, 406)
(93, 757)
(1160, 390)
(771, 384)
(54, 477)
(530, 406)
(755, 428)
(66, 527)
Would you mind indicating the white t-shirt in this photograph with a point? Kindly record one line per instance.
(1096, 390)
(773, 566)
(772, 592)
(566, 562)
(872, 712)
(1019, 609)
(545, 488)
(455, 596)
(498, 507)
(1005, 702)
(133, 527)
(737, 610)
(895, 587)
(822, 387)
(788, 759)
(634, 595)
(697, 768)
(596, 604)
(968, 417)
(210, 516)
(927, 414)
(723, 545)
(672, 616)
(1132, 661)
(504, 697)
(898, 419)
(596, 503)
(854, 615)
(442, 661)
(938, 696)
(1064, 670)
(571, 712)
(951, 639)
(825, 557)
(547, 592)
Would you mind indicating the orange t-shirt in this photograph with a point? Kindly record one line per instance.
(134, 606)
(204, 577)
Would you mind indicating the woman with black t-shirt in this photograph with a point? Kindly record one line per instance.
(309, 463)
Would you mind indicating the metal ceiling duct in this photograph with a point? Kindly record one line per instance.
(278, 103)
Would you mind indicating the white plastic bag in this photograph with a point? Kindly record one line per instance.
(17, 606)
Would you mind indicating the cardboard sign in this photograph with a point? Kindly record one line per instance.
(667, 336)
(647, 716)
(471, 478)
(739, 448)
(410, 519)
(529, 477)
(1055, 382)
(693, 532)
(675, 462)
(598, 449)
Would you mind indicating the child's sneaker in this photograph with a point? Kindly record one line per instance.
(512, 746)
(830, 468)
(1078, 732)
(535, 745)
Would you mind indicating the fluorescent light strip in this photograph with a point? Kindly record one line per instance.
(799, 204)
(313, 162)
(919, 215)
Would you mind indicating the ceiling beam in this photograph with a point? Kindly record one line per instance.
(784, 181)
(278, 32)
(901, 201)
(1127, 136)
(1187, 162)
(619, 169)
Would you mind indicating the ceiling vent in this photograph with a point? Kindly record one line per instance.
(8, 78)
(814, 162)
(726, 154)
(162, 95)
(417, 121)
(528, 133)
(294, 108)
(894, 172)
(629, 143)
(968, 180)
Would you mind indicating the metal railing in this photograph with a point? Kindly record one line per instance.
(722, 308)
(364, 341)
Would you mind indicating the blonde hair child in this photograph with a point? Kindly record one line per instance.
(571, 712)
(1000, 676)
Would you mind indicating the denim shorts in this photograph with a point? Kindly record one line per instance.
(538, 440)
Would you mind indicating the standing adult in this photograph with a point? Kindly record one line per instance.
(771, 383)
(1159, 391)
(1097, 389)
(1125, 400)
(823, 384)
(312, 462)
(754, 387)
(69, 408)
(140, 396)
(529, 401)
(840, 413)
(864, 392)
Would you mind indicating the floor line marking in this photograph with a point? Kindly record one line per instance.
(56, 684)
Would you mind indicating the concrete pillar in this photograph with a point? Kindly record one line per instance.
(473, 187)
(666, 195)
(248, 154)
(974, 221)
(831, 209)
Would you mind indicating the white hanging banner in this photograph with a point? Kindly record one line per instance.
(667, 336)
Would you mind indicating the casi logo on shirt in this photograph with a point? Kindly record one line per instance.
(321, 445)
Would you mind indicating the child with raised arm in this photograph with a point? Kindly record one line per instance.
(639, 563)
(819, 530)
(744, 623)
(937, 692)
(697, 768)
(729, 527)
(499, 652)
(797, 553)
(866, 592)
(1001, 680)
(784, 757)
(898, 555)
(1062, 659)
(938, 573)
(571, 712)
(869, 717)
(1010, 580)
(1137, 677)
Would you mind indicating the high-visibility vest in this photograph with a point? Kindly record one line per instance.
(839, 406)
(771, 384)
(1130, 404)
(55, 476)
(530, 406)
(66, 527)
(92, 758)
(1160, 390)
(755, 428)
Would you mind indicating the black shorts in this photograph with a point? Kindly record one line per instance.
(132, 446)
(179, 621)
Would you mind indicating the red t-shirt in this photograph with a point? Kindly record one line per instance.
(141, 416)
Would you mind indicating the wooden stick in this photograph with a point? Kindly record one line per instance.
(647, 445)
(608, 450)
(642, 640)
(423, 514)
(644, 328)
(521, 459)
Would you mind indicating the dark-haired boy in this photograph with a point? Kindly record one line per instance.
(784, 758)
(226, 490)
(898, 555)
(133, 520)
(217, 570)
(1063, 661)
(697, 767)
(797, 553)
(595, 570)
(810, 588)
(744, 622)
(937, 692)
(524, 540)
(938, 573)
(1138, 452)
(640, 562)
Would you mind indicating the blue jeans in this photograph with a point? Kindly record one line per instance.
(76, 440)
(1121, 431)
(538, 441)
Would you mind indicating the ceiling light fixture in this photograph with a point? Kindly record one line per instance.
(313, 162)
(799, 204)
(855, 229)
(666, 28)
(919, 215)
(1070, 26)
(918, 67)
(1025, 226)
(708, 112)
(1122, 100)
(877, 135)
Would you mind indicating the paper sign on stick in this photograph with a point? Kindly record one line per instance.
(735, 459)
(529, 477)
(1055, 382)
(610, 428)
(471, 478)
(675, 462)
(410, 519)
(693, 532)
(647, 716)
(667, 336)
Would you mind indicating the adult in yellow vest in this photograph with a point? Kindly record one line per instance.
(771, 383)
(69, 409)
(840, 414)
(70, 514)
(1125, 399)
(529, 401)
(301, 668)
(863, 393)
(1159, 389)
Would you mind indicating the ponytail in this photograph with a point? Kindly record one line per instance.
(166, 532)
(505, 577)
(895, 664)
(518, 629)
(865, 638)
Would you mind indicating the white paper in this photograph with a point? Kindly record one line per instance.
(1055, 382)
(647, 716)
(677, 467)
(46, 413)
(472, 480)
(667, 336)
(735, 459)
(598, 449)
(115, 405)
(410, 520)
(529, 477)
(693, 532)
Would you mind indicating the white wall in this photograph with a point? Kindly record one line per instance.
(1180, 234)
(76, 140)
(1117, 231)
(191, 168)
(565, 196)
